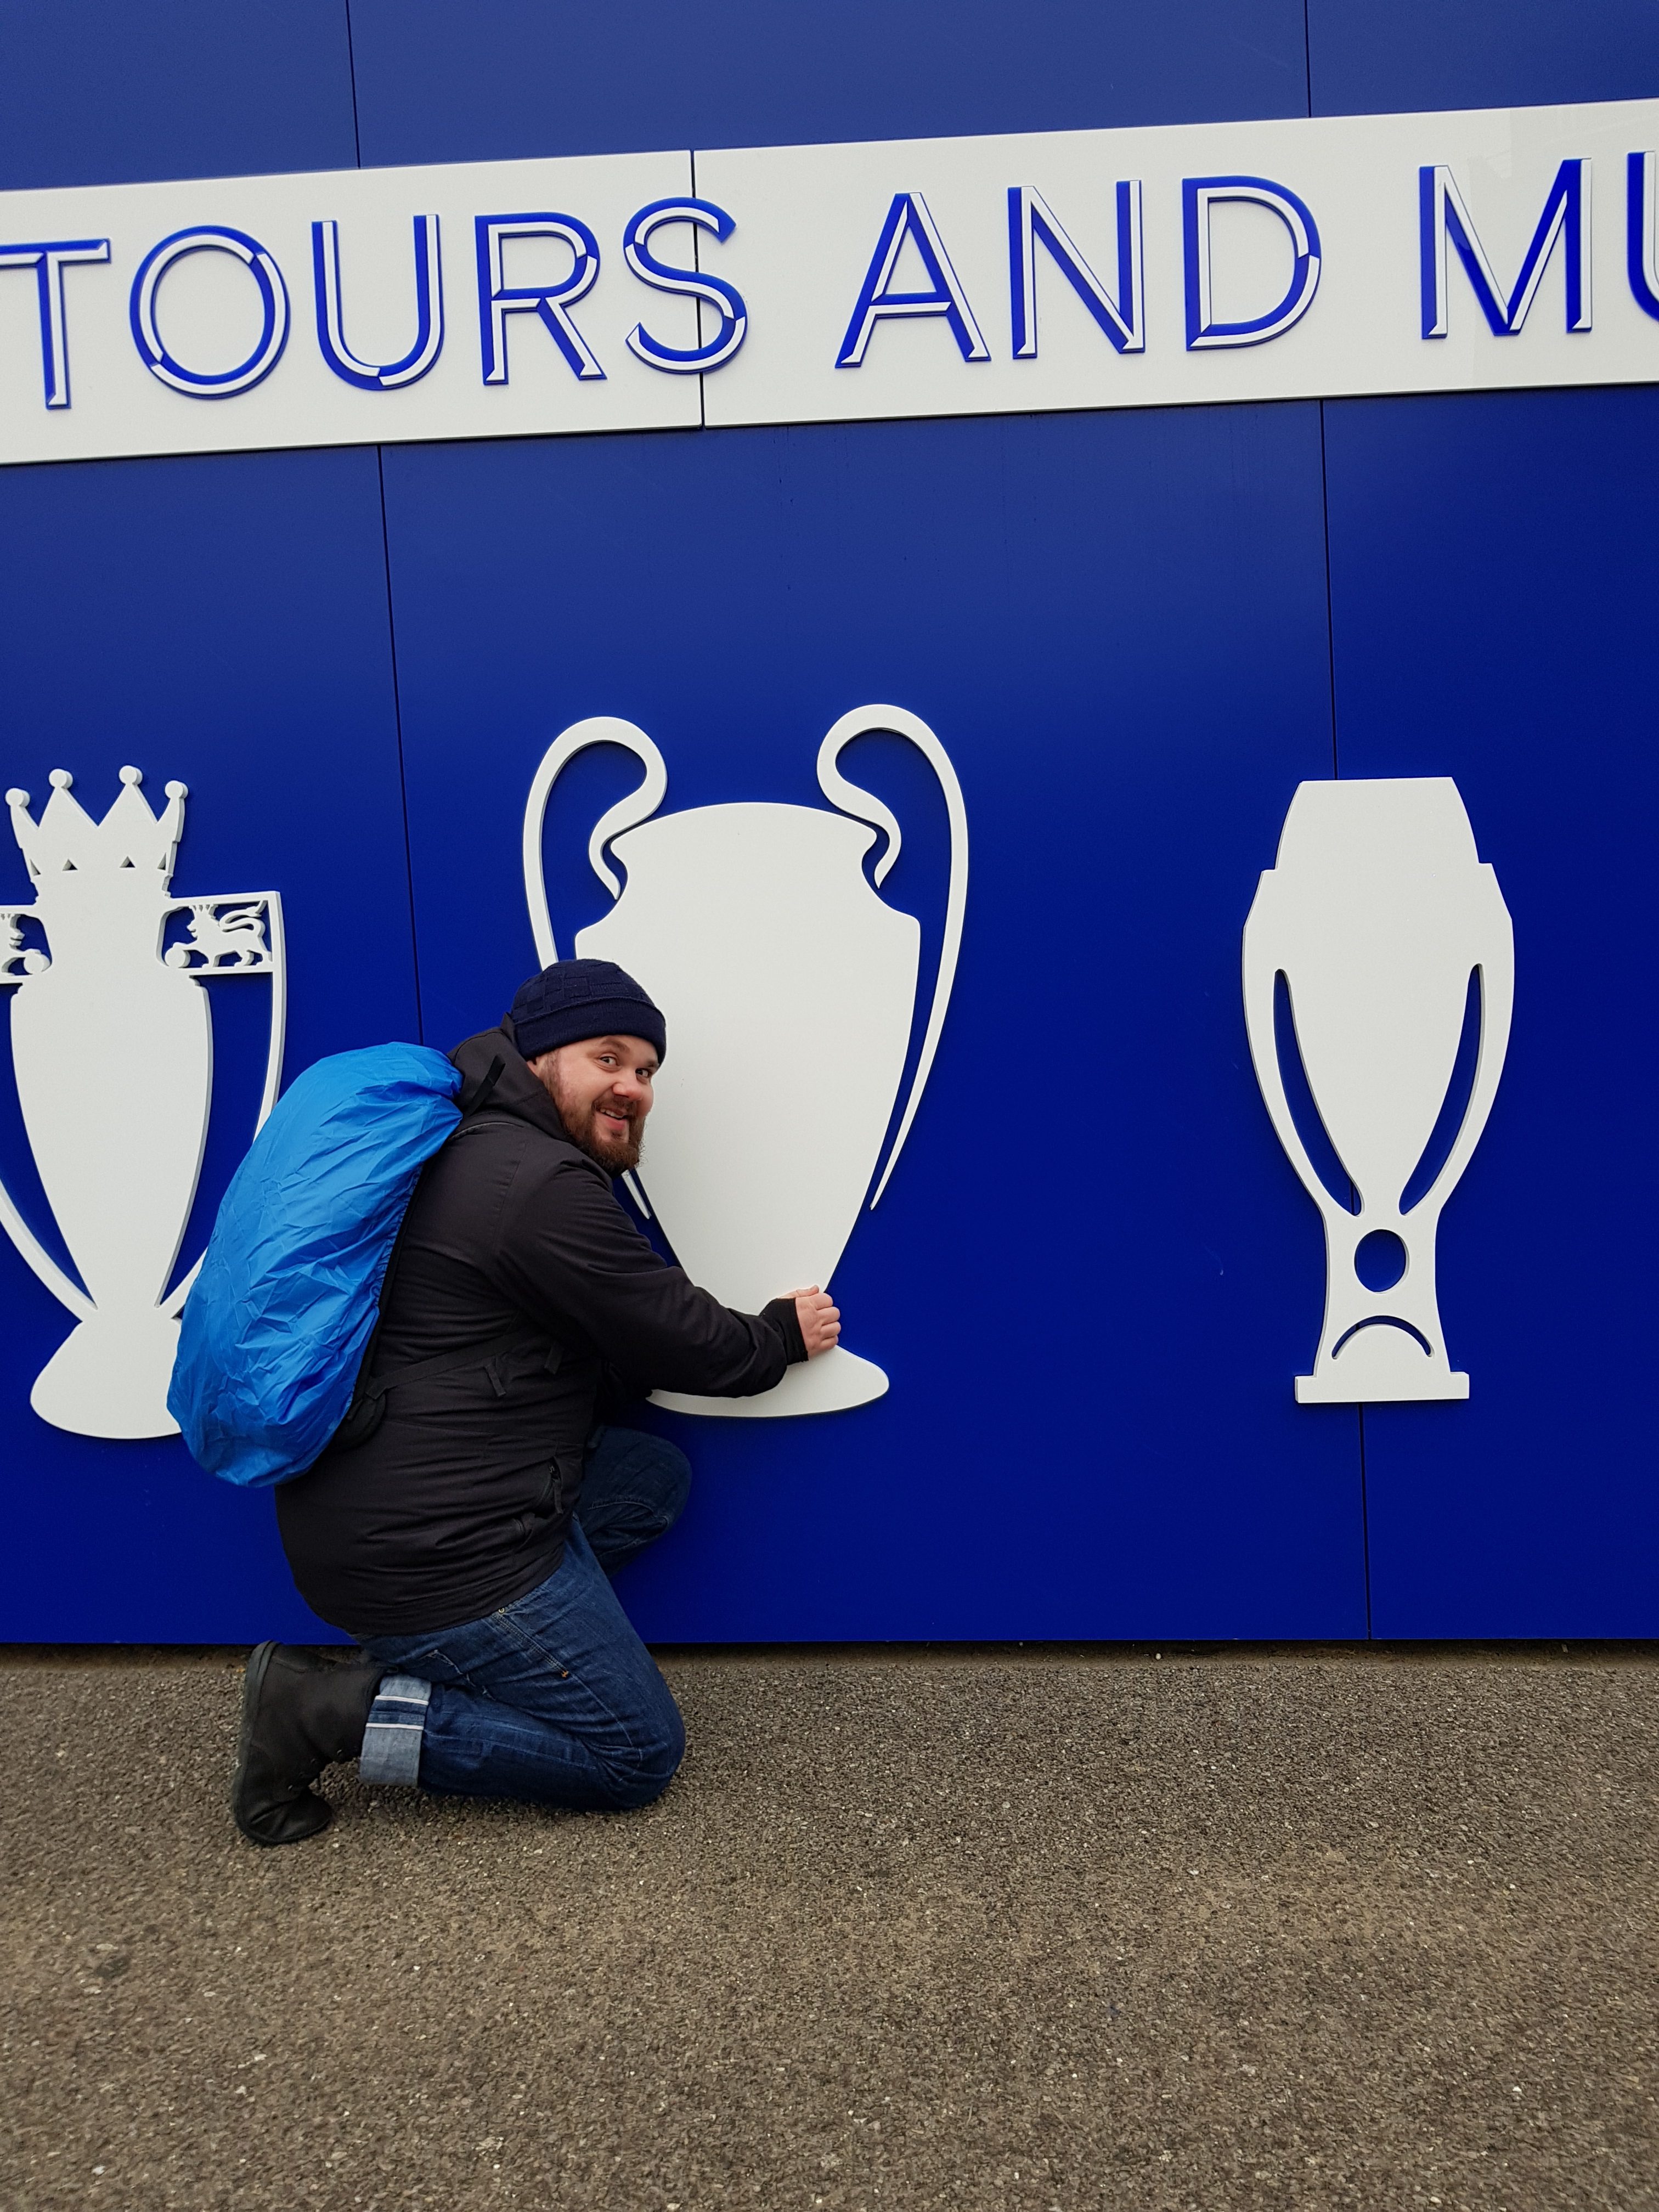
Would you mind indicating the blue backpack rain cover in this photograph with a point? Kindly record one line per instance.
(276, 1324)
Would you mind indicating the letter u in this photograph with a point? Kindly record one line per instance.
(368, 375)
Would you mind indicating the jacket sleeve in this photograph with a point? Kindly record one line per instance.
(569, 1256)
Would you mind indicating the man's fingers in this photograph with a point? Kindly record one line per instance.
(819, 1318)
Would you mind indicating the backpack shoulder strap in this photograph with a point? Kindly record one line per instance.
(473, 1098)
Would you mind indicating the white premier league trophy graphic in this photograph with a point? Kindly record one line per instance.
(112, 1041)
(787, 982)
(1377, 912)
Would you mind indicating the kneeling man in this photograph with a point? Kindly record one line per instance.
(466, 1545)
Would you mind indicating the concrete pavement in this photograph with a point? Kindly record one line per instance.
(978, 1931)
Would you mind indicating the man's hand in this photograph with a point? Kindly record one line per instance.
(819, 1318)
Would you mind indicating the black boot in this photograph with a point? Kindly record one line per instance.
(300, 1711)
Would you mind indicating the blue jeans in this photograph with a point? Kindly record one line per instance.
(553, 1699)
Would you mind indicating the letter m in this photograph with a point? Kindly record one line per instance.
(1443, 218)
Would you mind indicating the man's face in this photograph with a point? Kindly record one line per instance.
(602, 1088)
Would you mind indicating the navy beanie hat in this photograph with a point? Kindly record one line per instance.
(578, 999)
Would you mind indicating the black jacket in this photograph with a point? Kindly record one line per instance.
(459, 1501)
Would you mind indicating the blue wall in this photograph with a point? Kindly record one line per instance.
(1135, 633)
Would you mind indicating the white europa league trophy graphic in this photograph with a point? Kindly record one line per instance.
(112, 1041)
(789, 987)
(1376, 912)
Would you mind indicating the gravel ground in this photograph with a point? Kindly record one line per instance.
(995, 1929)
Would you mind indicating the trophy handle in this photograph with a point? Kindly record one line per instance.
(1262, 968)
(1496, 967)
(30, 1248)
(641, 802)
(173, 1304)
(864, 806)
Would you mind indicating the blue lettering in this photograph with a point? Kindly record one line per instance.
(1198, 196)
(908, 217)
(1030, 219)
(380, 376)
(726, 302)
(1442, 216)
(549, 303)
(49, 263)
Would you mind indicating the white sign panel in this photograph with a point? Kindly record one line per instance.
(1476, 251)
(1208, 262)
(337, 307)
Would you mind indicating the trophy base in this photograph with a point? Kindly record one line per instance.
(109, 1377)
(831, 1383)
(1343, 1390)
(1382, 1360)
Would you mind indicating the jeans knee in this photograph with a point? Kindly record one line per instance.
(653, 1476)
(651, 1762)
(660, 1479)
(677, 1480)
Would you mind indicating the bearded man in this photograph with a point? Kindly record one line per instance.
(466, 1544)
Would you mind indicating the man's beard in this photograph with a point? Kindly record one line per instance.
(580, 1126)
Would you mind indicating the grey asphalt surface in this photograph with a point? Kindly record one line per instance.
(1015, 1929)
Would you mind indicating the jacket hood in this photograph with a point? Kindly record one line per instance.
(516, 1090)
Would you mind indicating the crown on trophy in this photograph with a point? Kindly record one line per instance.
(66, 839)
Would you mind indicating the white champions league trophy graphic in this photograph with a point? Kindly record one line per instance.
(789, 988)
(112, 1041)
(1377, 912)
